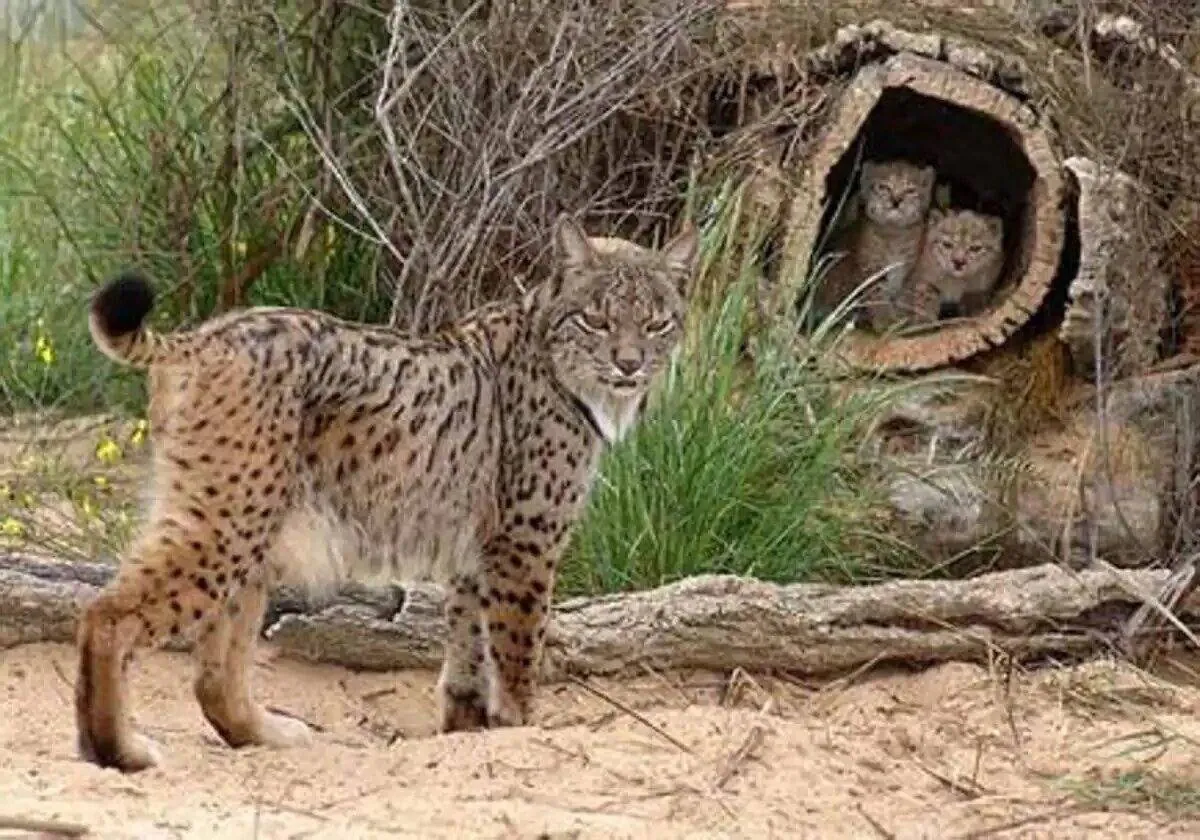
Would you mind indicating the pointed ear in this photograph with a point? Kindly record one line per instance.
(928, 176)
(573, 247)
(996, 226)
(936, 215)
(680, 252)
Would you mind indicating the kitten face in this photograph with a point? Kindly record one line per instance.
(896, 192)
(964, 243)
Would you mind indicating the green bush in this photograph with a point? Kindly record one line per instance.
(121, 150)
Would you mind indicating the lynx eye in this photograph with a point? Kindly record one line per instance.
(591, 322)
(659, 327)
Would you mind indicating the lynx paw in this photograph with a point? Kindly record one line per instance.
(506, 710)
(283, 731)
(462, 711)
(137, 752)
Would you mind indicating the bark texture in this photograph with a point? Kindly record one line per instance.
(716, 622)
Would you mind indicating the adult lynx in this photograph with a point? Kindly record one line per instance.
(465, 456)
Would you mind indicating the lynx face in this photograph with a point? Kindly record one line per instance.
(965, 244)
(617, 318)
(896, 192)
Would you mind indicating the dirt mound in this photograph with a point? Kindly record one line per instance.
(956, 751)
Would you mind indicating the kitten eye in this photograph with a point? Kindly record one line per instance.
(660, 327)
(589, 322)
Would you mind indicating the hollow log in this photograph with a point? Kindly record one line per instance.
(715, 622)
(959, 94)
(979, 138)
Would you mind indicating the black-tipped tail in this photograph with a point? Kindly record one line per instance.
(122, 304)
(117, 315)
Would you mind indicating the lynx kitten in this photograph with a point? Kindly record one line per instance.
(895, 197)
(290, 445)
(960, 263)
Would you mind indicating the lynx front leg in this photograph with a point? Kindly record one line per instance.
(463, 686)
(519, 589)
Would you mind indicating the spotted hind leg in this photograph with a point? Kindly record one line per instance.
(170, 586)
(224, 658)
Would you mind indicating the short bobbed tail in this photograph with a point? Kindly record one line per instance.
(117, 319)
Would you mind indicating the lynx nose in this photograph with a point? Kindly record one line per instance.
(627, 360)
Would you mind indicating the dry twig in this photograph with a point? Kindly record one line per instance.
(640, 718)
(38, 825)
(750, 745)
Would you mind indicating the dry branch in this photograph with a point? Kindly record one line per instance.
(490, 121)
(42, 827)
(704, 622)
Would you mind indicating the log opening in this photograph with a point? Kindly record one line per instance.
(975, 156)
(993, 152)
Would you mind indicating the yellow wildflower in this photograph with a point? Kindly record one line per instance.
(12, 527)
(139, 432)
(108, 450)
(240, 248)
(100, 481)
(44, 350)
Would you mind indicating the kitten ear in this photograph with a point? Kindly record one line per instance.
(869, 169)
(928, 176)
(936, 215)
(573, 247)
(941, 196)
(995, 226)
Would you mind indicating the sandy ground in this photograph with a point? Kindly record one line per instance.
(957, 751)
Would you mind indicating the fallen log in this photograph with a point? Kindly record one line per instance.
(713, 622)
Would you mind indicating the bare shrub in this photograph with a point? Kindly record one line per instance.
(487, 122)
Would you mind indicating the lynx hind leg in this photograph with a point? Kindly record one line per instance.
(172, 584)
(224, 658)
(462, 688)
